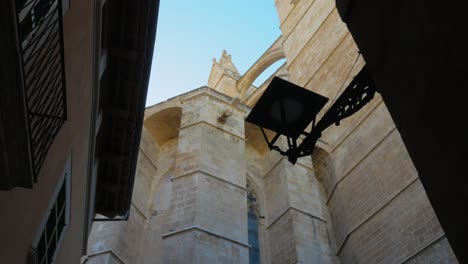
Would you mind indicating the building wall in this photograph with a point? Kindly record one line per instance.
(196, 209)
(379, 210)
(357, 200)
(120, 242)
(296, 215)
(24, 209)
(208, 184)
(196, 204)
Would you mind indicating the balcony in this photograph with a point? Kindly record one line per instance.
(33, 91)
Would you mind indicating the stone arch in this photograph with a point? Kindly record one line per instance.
(165, 124)
(251, 99)
(272, 55)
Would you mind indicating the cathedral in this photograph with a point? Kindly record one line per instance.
(209, 190)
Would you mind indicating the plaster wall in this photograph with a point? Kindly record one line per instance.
(25, 209)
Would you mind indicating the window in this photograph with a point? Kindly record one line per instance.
(34, 88)
(252, 224)
(43, 75)
(51, 234)
(33, 16)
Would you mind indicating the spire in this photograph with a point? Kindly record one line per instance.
(226, 63)
(224, 75)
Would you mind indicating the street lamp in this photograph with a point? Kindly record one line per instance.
(288, 109)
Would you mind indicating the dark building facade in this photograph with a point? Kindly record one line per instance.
(58, 113)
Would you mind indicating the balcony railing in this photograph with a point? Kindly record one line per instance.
(43, 73)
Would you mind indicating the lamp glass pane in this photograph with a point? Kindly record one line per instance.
(286, 108)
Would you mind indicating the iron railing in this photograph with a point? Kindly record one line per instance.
(41, 44)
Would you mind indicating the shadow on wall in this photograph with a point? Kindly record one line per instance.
(164, 124)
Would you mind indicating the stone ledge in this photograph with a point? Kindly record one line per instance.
(104, 252)
(180, 99)
(191, 173)
(212, 125)
(149, 158)
(391, 131)
(423, 247)
(372, 214)
(312, 76)
(286, 19)
(298, 54)
(358, 124)
(220, 97)
(297, 210)
(284, 158)
(139, 211)
(197, 228)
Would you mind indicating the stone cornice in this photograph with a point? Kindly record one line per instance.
(372, 214)
(214, 126)
(178, 100)
(279, 161)
(194, 172)
(210, 92)
(297, 210)
(357, 163)
(103, 252)
(197, 228)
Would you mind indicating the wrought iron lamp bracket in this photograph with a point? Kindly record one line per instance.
(271, 143)
(292, 145)
(358, 94)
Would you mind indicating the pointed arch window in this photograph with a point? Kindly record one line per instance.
(252, 223)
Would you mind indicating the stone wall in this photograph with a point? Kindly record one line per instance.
(124, 242)
(209, 195)
(297, 224)
(357, 200)
(378, 208)
(190, 197)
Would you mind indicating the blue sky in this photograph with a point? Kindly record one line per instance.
(191, 33)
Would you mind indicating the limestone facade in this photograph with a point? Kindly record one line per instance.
(358, 199)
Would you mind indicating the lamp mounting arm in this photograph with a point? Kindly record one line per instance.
(359, 93)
